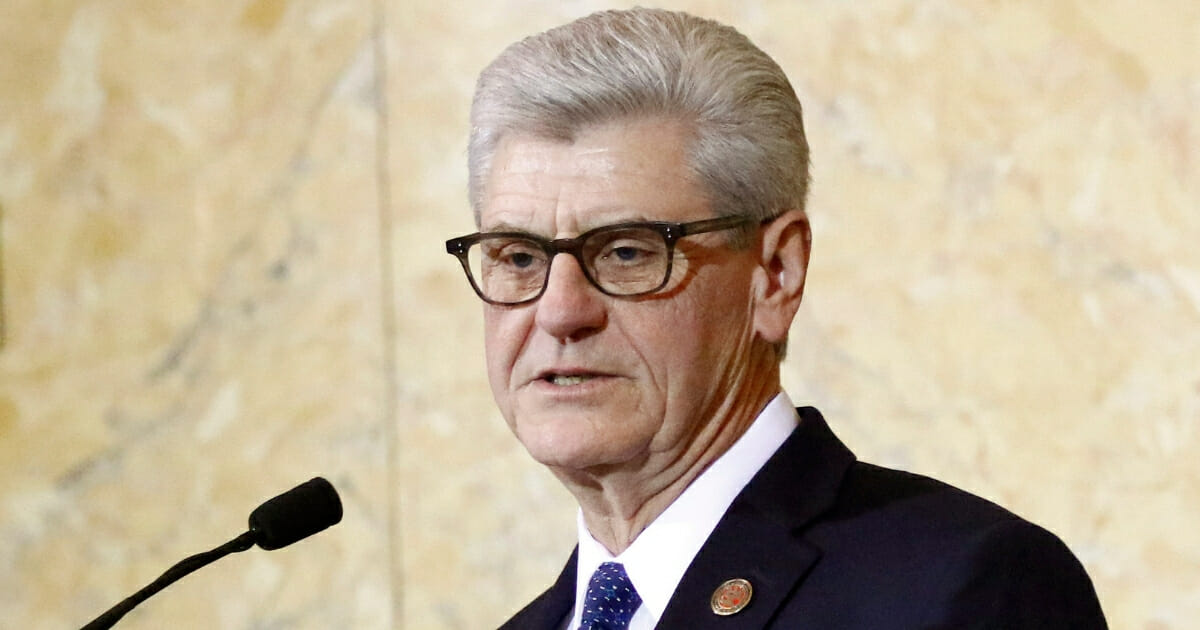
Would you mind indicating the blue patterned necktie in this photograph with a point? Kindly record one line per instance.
(610, 601)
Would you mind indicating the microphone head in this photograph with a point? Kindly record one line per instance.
(298, 513)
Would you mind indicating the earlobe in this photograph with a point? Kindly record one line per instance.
(783, 267)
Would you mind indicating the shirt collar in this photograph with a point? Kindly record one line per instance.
(659, 556)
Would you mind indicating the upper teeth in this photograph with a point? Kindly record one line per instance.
(568, 380)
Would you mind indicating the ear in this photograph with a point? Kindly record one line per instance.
(779, 278)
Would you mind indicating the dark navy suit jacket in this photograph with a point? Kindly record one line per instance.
(828, 542)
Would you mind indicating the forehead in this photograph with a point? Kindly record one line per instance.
(619, 171)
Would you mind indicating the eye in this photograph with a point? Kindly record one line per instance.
(513, 254)
(520, 259)
(627, 250)
(627, 253)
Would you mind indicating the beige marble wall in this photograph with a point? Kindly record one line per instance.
(193, 290)
(223, 274)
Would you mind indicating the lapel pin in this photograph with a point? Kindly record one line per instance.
(731, 597)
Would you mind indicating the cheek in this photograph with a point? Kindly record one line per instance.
(708, 332)
(501, 343)
(668, 341)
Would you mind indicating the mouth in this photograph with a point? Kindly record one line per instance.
(567, 378)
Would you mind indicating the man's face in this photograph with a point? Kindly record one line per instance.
(587, 380)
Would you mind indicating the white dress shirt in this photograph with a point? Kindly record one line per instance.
(659, 556)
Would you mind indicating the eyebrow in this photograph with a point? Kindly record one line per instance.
(510, 227)
(506, 227)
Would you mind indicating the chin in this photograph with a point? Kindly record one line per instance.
(561, 451)
(572, 445)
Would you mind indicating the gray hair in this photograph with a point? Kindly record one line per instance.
(748, 147)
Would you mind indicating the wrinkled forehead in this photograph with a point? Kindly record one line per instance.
(485, 146)
(623, 171)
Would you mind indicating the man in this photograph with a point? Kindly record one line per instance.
(638, 180)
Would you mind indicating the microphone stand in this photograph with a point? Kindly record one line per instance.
(184, 567)
(294, 515)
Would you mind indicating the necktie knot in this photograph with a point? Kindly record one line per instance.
(611, 599)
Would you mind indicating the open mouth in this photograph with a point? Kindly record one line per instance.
(566, 380)
(566, 377)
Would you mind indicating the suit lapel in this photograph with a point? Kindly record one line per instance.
(549, 611)
(760, 537)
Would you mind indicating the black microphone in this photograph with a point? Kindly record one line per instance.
(296, 514)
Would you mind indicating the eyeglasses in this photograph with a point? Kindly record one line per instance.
(624, 259)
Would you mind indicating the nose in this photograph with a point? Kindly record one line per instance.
(570, 308)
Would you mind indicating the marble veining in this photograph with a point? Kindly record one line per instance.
(222, 274)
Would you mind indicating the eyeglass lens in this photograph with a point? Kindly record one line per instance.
(623, 261)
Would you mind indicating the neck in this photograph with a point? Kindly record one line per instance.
(618, 503)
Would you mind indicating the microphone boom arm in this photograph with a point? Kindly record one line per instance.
(182, 568)
(294, 515)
